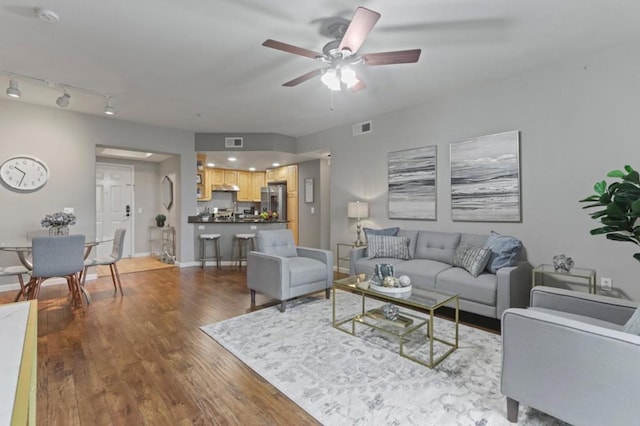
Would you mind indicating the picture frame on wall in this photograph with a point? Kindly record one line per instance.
(412, 183)
(308, 190)
(485, 178)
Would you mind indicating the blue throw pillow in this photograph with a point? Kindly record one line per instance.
(505, 251)
(391, 232)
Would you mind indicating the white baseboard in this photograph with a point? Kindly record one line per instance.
(54, 281)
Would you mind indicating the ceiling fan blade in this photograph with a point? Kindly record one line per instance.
(387, 58)
(289, 48)
(358, 86)
(303, 78)
(362, 22)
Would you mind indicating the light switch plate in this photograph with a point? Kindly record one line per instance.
(68, 210)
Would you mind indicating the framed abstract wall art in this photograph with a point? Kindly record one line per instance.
(485, 178)
(412, 184)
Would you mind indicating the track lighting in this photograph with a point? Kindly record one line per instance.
(63, 101)
(109, 108)
(13, 90)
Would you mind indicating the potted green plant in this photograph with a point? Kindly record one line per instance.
(618, 207)
(160, 220)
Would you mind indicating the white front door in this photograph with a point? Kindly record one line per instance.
(114, 205)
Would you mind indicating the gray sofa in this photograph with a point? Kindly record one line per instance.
(569, 356)
(431, 267)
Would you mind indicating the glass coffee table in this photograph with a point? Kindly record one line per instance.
(406, 324)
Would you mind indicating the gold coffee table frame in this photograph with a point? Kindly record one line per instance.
(421, 300)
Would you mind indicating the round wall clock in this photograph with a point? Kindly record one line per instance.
(24, 173)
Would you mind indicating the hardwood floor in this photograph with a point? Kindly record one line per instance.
(141, 359)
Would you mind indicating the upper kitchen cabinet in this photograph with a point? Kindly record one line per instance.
(245, 182)
(217, 177)
(230, 177)
(292, 179)
(277, 175)
(258, 181)
(203, 187)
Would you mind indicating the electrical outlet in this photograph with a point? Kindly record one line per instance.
(606, 284)
(253, 227)
(68, 210)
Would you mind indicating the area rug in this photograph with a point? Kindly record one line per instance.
(345, 380)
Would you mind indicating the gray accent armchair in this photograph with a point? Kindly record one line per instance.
(283, 271)
(567, 356)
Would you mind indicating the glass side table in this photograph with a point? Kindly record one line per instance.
(574, 276)
(342, 258)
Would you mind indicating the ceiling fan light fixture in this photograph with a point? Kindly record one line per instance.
(13, 89)
(348, 76)
(63, 101)
(331, 80)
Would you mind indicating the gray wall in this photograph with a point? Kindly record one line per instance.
(309, 224)
(577, 121)
(66, 142)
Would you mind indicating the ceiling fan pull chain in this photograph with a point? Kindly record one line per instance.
(331, 94)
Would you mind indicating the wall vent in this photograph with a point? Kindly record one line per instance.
(235, 142)
(362, 128)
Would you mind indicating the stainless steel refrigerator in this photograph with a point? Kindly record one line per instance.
(274, 198)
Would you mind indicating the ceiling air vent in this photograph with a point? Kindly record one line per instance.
(362, 128)
(235, 142)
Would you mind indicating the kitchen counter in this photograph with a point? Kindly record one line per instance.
(198, 219)
(227, 229)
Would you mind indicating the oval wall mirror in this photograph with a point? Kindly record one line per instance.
(167, 192)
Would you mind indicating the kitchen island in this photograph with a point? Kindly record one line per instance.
(227, 229)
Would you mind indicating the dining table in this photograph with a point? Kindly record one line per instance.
(23, 249)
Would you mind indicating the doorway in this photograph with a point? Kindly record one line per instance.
(114, 205)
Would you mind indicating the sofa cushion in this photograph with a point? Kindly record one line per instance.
(473, 259)
(505, 251)
(387, 246)
(276, 242)
(482, 289)
(413, 238)
(304, 270)
(438, 246)
(422, 272)
(633, 325)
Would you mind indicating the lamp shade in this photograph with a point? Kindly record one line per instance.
(358, 209)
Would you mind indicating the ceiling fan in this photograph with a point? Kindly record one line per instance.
(341, 55)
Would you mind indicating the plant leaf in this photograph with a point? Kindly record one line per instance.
(637, 256)
(633, 177)
(590, 198)
(600, 187)
(628, 168)
(619, 237)
(616, 174)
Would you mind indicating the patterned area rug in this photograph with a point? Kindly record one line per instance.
(340, 379)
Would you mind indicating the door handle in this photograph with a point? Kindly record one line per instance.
(128, 210)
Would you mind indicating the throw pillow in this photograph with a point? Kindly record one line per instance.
(633, 325)
(504, 251)
(388, 246)
(473, 259)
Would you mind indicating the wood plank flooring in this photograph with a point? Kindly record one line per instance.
(141, 359)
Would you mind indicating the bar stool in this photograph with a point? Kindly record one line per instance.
(241, 247)
(215, 238)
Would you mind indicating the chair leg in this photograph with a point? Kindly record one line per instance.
(22, 289)
(283, 305)
(117, 275)
(512, 410)
(113, 277)
(327, 293)
(253, 298)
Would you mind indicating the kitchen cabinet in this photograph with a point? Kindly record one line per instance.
(277, 175)
(292, 178)
(292, 215)
(257, 182)
(217, 176)
(230, 176)
(203, 187)
(245, 182)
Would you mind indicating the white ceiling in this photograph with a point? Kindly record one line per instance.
(199, 65)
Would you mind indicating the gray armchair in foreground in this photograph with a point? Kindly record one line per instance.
(283, 271)
(567, 356)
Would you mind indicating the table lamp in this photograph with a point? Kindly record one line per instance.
(358, 210)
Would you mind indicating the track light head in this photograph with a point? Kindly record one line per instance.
(13, 90)
(63, 101)
(109, 108)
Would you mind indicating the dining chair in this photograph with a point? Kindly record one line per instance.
(111, 260)
(61, 256)
(15, 271)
